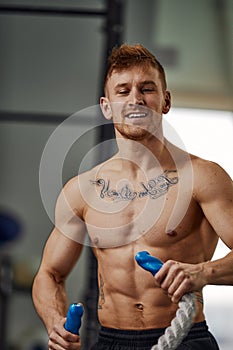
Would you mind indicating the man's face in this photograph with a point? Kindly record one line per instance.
(137, 101)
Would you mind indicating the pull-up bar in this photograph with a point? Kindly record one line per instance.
(49, 10)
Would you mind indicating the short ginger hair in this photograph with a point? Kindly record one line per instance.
(127, 56)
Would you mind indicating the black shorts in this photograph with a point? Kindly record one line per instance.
(198, 338)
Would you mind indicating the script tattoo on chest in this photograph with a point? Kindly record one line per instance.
(153, 189)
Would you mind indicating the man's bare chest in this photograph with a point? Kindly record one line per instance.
(122, 189)
(120, 210)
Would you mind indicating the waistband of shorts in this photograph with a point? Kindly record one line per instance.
(199, 328)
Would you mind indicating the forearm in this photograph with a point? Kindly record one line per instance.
(219, 272)
(50, 300)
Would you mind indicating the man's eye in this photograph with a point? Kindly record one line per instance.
(123, 92)
(147, 90)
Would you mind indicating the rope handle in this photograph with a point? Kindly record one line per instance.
(181, 324)
(74, 318)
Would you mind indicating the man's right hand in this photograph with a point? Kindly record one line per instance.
(61, 339)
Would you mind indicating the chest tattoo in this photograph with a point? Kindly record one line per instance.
(153, 189)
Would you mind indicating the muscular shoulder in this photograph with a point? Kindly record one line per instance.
(69, 210)
(74, 194)
(210, 180)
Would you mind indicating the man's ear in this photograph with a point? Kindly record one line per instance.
(167, 102)
(106, 108)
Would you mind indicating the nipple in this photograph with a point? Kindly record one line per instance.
(96, 241)
(171, 233)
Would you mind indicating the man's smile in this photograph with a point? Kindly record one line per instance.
(136, 115)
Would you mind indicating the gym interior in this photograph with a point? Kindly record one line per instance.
(52, 61)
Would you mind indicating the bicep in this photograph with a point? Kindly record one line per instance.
(66, 240)
(60, 255)
(216, 199)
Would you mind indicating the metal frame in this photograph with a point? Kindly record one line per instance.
(50, 11)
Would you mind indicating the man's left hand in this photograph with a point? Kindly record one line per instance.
(177, 278)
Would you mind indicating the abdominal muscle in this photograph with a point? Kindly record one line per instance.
(129, 297)
(123, 312)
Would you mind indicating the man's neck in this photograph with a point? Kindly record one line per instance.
(143, 154)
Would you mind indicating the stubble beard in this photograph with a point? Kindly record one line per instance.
(131, 132)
